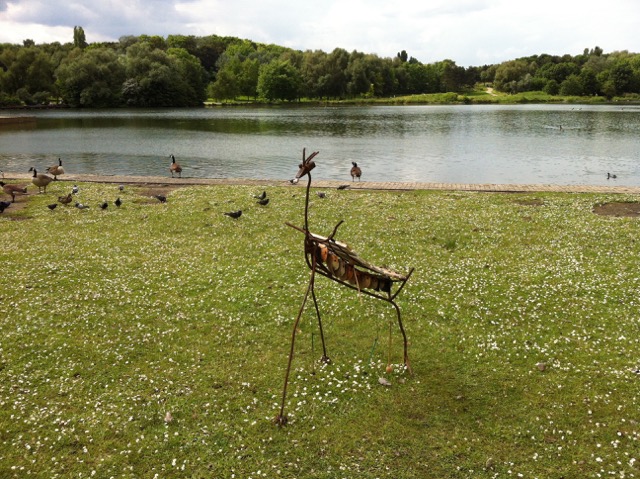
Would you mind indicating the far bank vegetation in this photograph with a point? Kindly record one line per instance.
(185, 70)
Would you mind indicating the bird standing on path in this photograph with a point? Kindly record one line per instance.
(40, 180)
(234, 214)
(12, 190)
(175, 167)
(56, 170)
(356, 171)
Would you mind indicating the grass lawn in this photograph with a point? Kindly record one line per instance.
(152, 340)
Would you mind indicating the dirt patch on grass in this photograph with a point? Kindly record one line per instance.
(618, 209)
(529, 202)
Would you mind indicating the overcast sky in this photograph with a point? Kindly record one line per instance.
(470, 32)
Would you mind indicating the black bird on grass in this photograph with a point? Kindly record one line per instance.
(104, 206)
(52, 206)
(263, 201)
(118, 202)
(234, 214)
(4, 205)
(160, 198)
(261, 197)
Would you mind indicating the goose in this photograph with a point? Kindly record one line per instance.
(40, 180)
(56, 170)
(13, 190)
(356, 172)
(175, 167)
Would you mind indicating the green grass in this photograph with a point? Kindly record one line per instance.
(110, 319)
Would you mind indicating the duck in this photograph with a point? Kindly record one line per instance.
(40, 180)
(175, 167)
(356, 172)
(56, 170)
(65, 200)
(13, 190)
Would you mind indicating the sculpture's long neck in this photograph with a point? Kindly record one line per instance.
(306, 204)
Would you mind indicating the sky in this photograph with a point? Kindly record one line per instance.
(469, 32)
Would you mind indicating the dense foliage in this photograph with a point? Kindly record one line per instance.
(180, 70)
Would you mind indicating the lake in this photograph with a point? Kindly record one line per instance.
(523, 144)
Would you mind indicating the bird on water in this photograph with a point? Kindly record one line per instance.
(175, 167)
(356, 171)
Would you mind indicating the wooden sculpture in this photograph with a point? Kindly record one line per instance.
(338, 262)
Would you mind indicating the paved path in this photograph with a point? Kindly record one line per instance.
(363, 185)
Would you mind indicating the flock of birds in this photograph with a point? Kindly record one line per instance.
(42, 180)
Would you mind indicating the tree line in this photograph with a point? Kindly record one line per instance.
(184, 70)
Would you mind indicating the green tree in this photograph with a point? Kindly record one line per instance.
(279, 80)
(79, 39)
(572, 86)
(92, 78)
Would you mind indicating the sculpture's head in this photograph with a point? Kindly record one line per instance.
(306, 166)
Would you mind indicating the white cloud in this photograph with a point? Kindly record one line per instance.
(470, 32)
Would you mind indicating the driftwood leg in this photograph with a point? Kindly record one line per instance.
(281, 419)
(404, 337)
(325, 358)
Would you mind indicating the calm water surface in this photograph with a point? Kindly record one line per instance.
(547, 144)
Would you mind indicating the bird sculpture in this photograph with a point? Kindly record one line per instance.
(118, 202)
(13, 190)
(56, 170)
(263, 202)
(52, 206)
(65, 200)
(40, 180)
(356, 172)
(234, 214)
(175, 167)
(160, 198)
